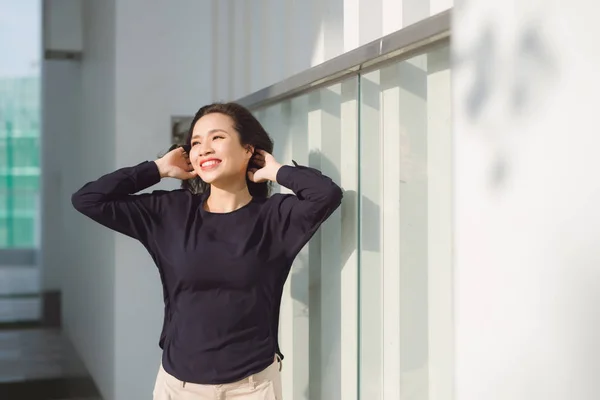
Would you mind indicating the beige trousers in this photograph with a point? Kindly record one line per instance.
(264, 385)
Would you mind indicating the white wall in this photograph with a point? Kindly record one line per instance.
(526, 200)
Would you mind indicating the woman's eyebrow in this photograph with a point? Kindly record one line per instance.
(198, 135)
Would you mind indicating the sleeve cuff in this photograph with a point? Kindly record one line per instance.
(283, 175)
(147, 173)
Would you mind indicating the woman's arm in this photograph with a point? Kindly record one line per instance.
(316, 198)
(299, 216)
(110, 200)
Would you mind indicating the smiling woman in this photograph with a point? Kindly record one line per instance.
(239, 132)
(223, 248)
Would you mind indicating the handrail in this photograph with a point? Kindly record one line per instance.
(394, 46)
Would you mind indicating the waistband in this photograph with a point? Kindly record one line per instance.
(265, 374)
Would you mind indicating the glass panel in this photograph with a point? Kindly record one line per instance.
(400, 298)
(319, 319)
(19, 122)
(405, 235)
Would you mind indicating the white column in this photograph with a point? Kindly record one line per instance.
(223, 40)
(370, 22)
(349, 240)
(526, 200)
(391, 13)
(351, 24)
(276, 119)
(412, 240)
(414, 11)
(330, 283)
(439, 222)
(391, 154)
(319, 309)
(275, 40)
(257, 31)
(333, 28)
(304, 31)
(437, 6)
(239, 49)
(60, 126)
(315, 132)
(296, 377)
(317, 9)
(370, 308)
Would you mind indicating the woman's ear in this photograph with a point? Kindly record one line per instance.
(249, 151)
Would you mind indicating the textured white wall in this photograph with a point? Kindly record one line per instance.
(526, 200)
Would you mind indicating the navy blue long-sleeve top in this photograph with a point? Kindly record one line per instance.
(222, 273)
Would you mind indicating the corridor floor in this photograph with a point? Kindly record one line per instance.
(41, 364)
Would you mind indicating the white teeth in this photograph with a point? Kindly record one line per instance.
(210, 163)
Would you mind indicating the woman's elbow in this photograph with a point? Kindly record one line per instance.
(81, 202)
(335, 196)
(77, 201)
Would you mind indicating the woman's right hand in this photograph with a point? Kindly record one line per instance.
(176, 164)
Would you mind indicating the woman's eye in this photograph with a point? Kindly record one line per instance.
(218, 137)
(195, 143)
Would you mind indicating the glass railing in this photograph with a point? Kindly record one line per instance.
(367, 309)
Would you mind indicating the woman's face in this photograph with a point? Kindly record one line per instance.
(216, 153)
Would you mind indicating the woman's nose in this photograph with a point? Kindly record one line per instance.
(205, 150)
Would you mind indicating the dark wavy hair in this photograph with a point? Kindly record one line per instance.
(251, 133)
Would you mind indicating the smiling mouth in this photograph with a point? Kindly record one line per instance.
(210, 164)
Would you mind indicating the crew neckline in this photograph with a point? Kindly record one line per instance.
(206, 212)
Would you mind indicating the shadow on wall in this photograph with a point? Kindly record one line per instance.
(522, 90)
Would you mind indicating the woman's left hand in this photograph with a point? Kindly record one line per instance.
(268, 167)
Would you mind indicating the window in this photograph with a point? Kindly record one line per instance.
(19, 122)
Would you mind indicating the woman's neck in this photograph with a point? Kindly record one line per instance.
(223, 200)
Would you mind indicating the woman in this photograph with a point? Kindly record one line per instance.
(223, 249)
